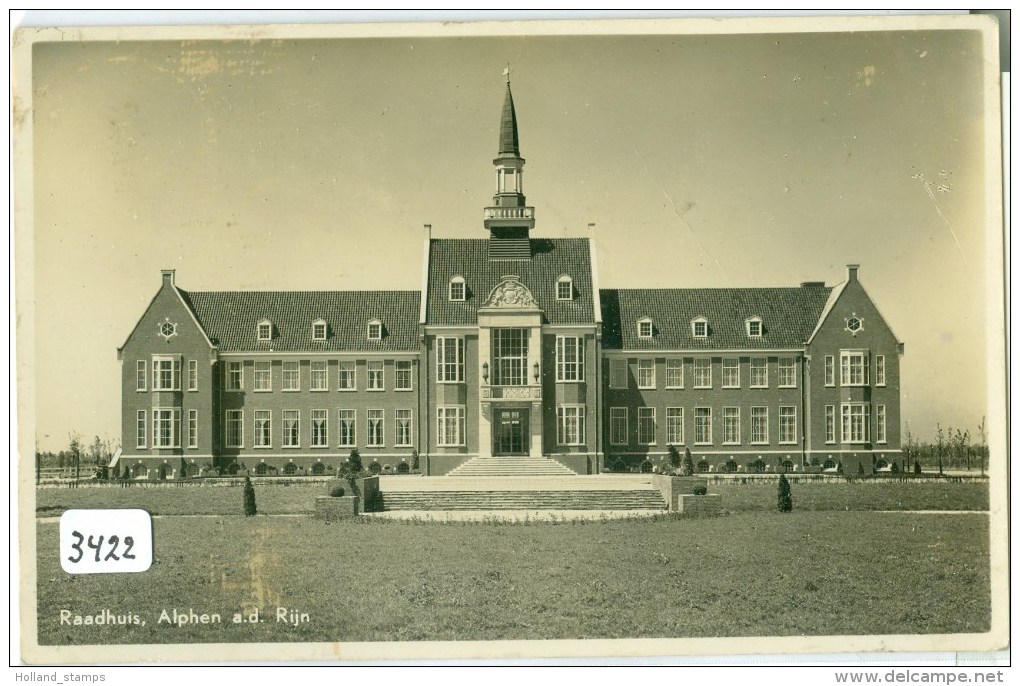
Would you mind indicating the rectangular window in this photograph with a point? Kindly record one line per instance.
(348, 380)
(348, 435)
(320, 428)
(292, 376)
(646, 425)
(263, 428)
(141, 429)
(319, 380)
(759, 372)
(618, 373)
(674, 373)
(450, 425)
(675, 425)
(192, 375)
(402, 380)
(879, 370)
(787, 424)
(759, 425)
(787, 372)
(375, 376)
(618, 425)
(234, 433)
(166, 373)
(731, 373)
(702, 373)
(166, 428)
(402, 420)
(570, 425)
(644, 329)
(192, 428)
(141, 376)
(830, 370)
(263, 377)
(291, 428)
(375, 429)
(731, 425)
(702, 425)
(235, 376)
(457, 289)
(646, 374)
(853, 368)
(319, 331)
(830, 423)
(855, 422)
(450, 360)
(564, 290)
(509, 357)
(880, 423)
(569, 358)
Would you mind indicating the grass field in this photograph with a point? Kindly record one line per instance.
(300, 498)
(746, 574)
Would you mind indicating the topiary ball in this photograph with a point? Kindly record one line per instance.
(337, 492)
(700, 489)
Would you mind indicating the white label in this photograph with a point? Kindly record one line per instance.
(105, 541)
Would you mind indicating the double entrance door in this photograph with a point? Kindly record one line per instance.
(510, 431)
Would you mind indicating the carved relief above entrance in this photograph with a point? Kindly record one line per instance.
(511, 293)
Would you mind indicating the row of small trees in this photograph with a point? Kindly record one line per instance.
(953, 448)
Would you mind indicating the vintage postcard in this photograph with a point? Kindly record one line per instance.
(510, 340)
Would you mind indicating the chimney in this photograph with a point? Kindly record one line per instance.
(168, 276)
(851, 271)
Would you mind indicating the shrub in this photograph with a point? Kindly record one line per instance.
(699, 489)
(375, 468)
(402, 468)
(894, 468)
(687, 466)
(674, 457)
(354, 460)
(860, 469)
(249, 498)
(337, 491)
(703, 466)
(917, 467)
(414, 460)
(731, 466)
(785, 498)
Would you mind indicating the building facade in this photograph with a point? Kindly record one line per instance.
(510, 349)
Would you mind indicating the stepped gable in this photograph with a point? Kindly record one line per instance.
(788, 315)
(230, 319)
(550, 259)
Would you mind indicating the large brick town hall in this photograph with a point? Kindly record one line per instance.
(512, 349)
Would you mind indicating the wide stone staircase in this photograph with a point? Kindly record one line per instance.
(511, 466)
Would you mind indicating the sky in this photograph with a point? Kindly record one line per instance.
(702, 161)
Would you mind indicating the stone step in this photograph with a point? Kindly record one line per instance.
(511, 466)
(524, 500)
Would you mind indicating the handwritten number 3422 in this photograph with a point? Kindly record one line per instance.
(113, 541)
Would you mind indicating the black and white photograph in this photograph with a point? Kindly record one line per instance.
(510, 340)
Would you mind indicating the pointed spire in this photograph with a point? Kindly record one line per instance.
(508, 144)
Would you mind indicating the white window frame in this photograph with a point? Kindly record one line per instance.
(674, 372)
(848, 368)
(616, 416)
(570, 424)
(855, 416)
(880, 370)
(830, 424)
(347, 370)
(291, 434)
(787, 365)
(645, 415)
(457, 283)
(403, 368)
(645, 327)
(403, 424)
(235, 417)
(263, 379)
(449, 370)
(619, 369)
(699, 327)
(751, 324)
(158, 361)
(674, 426)
(318, 370)
(700, 367)
(830, 370)
(375, 423)
(731, 365)
(760, 365)
(320, 330)
(291, 373)
(262, 424)
(319, 415)
(880, 419)
(759, 425)
(192, 428)
(232, 371)
(141, 428)
(347, 428)
(568, 283)
(569, 367)
(646, 374)
(731, 426)
(264, 330)
(374, 330)
(788, 428)
(142, 375)
(450, 417)
(173, 416)
(376, 376)
(703, 425)
(192, 375)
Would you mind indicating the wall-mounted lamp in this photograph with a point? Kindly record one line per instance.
(537, 375)
(485, 371)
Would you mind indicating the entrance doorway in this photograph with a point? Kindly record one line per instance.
(510, 432)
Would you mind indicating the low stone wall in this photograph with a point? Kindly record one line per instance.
(441, 465)
(332, 509)
(708, 505)
(578, 463)
(672, 487)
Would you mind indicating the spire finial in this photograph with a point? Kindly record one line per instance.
(506, 73)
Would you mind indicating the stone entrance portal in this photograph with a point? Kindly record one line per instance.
(510, 434)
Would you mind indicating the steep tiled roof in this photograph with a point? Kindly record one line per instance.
(551, 258)
(229, 318)
(788, 316)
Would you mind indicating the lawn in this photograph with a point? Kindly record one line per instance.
(904, 495)
(745, 574)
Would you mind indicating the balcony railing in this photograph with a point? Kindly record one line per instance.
(509, 212)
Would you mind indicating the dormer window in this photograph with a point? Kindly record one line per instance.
(565, 288)
(754, 329)
(458, 291)
(699, 328)
(375, 330)
(319, 330)
(265, 330)
(644, 327)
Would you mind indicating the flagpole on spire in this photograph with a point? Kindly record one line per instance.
(506, 73)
